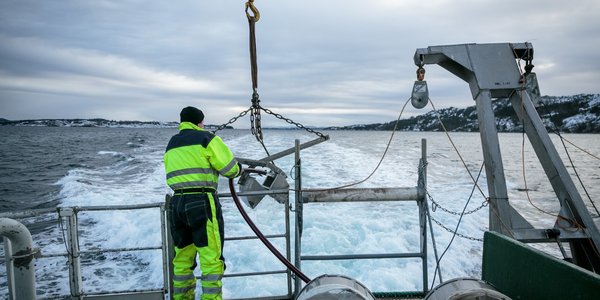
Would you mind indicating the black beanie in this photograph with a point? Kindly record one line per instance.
(191, 114)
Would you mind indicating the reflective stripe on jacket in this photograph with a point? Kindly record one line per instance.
(195, 158)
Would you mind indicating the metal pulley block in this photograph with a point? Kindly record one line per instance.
(420, 93)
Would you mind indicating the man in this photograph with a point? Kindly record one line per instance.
(193, 161)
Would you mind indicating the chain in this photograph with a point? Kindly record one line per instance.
(436, 205)
(255, 119)
(453, 232)
(232, 120)
(255, 122)
(289, 121)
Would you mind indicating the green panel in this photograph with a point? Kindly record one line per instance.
(522, 272)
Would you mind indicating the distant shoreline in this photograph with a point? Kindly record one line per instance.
(95, 123)
(569, 114)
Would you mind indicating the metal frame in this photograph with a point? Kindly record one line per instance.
(364, 195)
(491, 71)
(73, 254)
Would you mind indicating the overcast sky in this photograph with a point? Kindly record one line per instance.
(321, 63)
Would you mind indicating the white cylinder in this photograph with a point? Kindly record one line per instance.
(22, 254)
(333, 287)
(463, 289)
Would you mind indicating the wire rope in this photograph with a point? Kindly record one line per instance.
(456, 228)
(387, 147)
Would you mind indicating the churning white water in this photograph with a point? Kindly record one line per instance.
(132, 173)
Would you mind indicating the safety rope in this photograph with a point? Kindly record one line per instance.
(456, 148)
(579, 177)
(387, 147)
(526, 188)
(435, 251)
(528, 68)
(563, 140)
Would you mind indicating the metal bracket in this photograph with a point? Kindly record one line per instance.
(275, 180)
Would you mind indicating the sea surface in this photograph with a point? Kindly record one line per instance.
(49, 167)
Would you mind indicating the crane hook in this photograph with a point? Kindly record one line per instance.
(250, 5)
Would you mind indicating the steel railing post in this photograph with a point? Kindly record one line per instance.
(75, 278)
(288, 243)
(298, 213)
(9, 269)
(422, 202)
(165, 241)
(170, 253)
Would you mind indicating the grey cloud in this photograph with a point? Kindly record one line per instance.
(350, 59)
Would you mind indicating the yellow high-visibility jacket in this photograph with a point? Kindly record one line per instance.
(195, 157)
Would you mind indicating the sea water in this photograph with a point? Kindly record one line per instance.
(47, 167)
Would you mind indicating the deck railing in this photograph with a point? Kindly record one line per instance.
(73, 253)
(346, 195)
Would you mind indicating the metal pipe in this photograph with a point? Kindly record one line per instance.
(9, 268)
(239, 238)
(133, 294)
(297, 147)
(23, 266)
(255, 193)
(361, 194)
(362, 256)
(117, 207)
(27, 213)
(247, 274)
